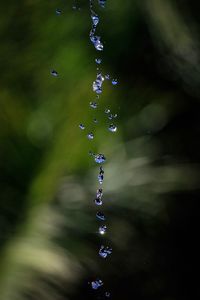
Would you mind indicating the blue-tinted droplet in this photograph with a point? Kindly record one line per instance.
(102, 229)
(107, 76)
(98, 201)
(114, 82)
(105, 251)
(112, 128)
(100, 216)
(96, 284)
(99, 158)
(102, 3)
(95, 19)
(98, 61)
(81, 126)
(54, 73)
(93, 105)
(90, 136)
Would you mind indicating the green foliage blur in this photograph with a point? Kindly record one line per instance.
(48, 231)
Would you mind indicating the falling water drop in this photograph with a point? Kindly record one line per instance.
(114, 82)
(93, 105)
(107, 294)
(98, 61)
(54, 73)
(90, 136)
(95, 19)
(107, 76)
(112, 128)
(107, 111)
(96, 284)
(105, 251)
(98, 201)
(58, 11)
(99, 193)
(99, 158)
(100, 216)
(95, 120)
(111, 116)
(102, 3)
(81, 126)
(102, 229)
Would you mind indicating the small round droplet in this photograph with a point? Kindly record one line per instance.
(58, 11)
(54, 73)
(98, 201)
(90, 136)
(81, 126)
(107, 294)
(99, 158)
(114, 82)
(98, 61)
(102, 229)
(107, 111)
(93, 105)
(100, 216)
(112, 128)
(95, 120)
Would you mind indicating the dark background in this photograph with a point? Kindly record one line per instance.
(48, 231)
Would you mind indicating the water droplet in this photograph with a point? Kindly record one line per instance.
(102, 229)
(90, 136)
(107, 111)
(96, 40)
(93, 105)
(95, 120)
(107, 76)
(100, 216)
(97, 84)
(99, 193)
(102, 3)
(98, 201)
(105, 251)
(100, 178)
(96, 284)
(112, 128)
(54, 73)
(99, 158)
(95, 19)
(107, 294)
(98, 61)
(111, 116)
(114, 82)
(81, 126)
(58, 11)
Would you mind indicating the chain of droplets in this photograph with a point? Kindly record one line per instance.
(99, 158)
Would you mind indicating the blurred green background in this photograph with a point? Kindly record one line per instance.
(48, 240)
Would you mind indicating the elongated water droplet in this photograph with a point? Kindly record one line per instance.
(105, 251)
(54, 73)
(98, 61)
(100, 216)
(81, 126)
(95, 19)
(90, 136)
(96, 284)
(99, 193)
(107, 76)
(112, 128)
(100, 178)
(97, 84)
(93, 105)
(114, 82)
(102, 229)
(58, 11)
(99, 158)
